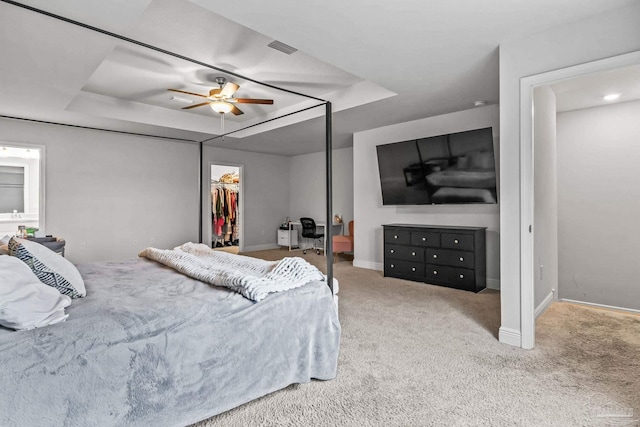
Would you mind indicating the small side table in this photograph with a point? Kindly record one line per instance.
(56, 244)
(287, 238)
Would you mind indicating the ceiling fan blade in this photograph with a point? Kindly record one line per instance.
(251, 101)
(236, 111)
(215, 93)
(188, 93)
(229, 89)
(196, 105)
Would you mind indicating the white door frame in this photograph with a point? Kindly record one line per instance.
(207, 228)
(527, 85)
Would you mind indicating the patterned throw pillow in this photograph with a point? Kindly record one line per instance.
(25, 302)
(50, 268)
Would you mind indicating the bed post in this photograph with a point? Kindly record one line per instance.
(200, 176)
(329, 221)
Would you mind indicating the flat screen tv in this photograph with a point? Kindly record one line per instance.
(456, 168)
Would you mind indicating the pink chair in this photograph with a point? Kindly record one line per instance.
(343, 244)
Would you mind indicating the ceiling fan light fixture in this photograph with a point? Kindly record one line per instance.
(221, 107)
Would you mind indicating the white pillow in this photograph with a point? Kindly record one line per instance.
(51, 268)
(25, 302)
(4, 250)
(5, 240)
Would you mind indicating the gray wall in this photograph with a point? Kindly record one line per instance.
(265, 198)
(111, 195)
(308, 187)
(369, 212)
(545, 244)
(599, 205)
(608, 34)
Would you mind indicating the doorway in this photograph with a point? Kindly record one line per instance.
(21, 188)
(226, 212)
(531, 269)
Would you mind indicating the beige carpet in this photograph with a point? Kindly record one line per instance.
(230, 249)
(419, 355)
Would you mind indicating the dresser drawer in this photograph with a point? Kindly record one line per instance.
(450, 258)
(463, 278)
(457, 241)
(405, 253)
(404, 269)
(397, 237)
(460, 278)
(425, 238)
(436, 274)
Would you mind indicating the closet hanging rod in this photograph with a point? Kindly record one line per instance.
(235, 187)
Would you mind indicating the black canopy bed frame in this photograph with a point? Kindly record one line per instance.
(319, 344)
(328, 122)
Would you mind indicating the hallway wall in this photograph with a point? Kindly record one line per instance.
(599, 205)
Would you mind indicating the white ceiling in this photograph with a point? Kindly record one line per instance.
(589, 91)
(377, 62)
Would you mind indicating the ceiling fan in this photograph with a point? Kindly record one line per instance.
(221, 99)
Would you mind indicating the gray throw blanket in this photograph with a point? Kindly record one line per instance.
(253, 278)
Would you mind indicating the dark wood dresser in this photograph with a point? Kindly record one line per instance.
(453, 256)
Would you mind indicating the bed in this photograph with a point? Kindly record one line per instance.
(151, 346)
(471, 179)
(463, 178)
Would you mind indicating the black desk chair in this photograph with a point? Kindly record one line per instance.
(309, 231)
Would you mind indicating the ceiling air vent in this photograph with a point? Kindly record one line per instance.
(284, 48)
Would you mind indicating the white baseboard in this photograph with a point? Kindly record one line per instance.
(608, 307)
(369, 265)
(546, 302)
(510, 336)
(260, 247)
(493, 284)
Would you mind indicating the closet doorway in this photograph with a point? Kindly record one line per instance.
(226, 211)
(539, 283)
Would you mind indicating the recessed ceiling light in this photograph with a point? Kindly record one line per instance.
(611, 97)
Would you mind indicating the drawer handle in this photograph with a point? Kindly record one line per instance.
(424, 239)
(413, 253)
(392, 265)
(435, 256)
(435, 272)
(461, 259)
(455, 241)
(462, 276)
(395, 237)
(413, 269)
(392, 251)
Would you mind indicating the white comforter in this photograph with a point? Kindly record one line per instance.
(253, 278)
